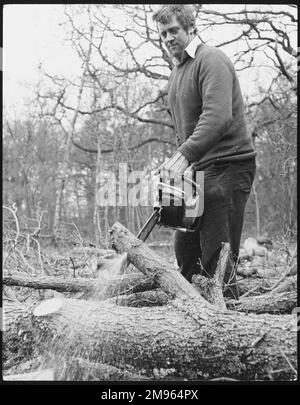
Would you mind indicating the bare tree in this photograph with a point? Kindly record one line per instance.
(125, 85)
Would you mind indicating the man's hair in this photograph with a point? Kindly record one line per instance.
(185, 14)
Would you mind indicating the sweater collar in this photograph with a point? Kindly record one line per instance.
(192, 47)
(190, 50)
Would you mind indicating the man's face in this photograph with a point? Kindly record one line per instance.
(174, 37)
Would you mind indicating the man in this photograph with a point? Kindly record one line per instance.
(206, 107)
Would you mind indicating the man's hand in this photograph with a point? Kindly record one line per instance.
(173, 167)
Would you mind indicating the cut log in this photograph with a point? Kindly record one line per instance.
(279, 303)
(97, 288)
(150, 264)
(180, 335)
(48, 307)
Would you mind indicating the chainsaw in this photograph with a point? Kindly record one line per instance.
(178, 204)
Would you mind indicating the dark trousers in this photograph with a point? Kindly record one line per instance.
(226, 191)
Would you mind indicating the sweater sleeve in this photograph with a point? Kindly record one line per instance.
(215, 81)
(177, 137)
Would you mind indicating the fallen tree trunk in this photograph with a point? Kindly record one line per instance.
(261, 285)
(180, 335)
(129, 291)
(48, 282)
(97, 288)
(188, 334)
(279, 303)
(150, 264)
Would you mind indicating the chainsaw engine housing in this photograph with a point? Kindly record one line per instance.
(181, 203)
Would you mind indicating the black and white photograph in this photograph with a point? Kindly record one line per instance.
(149, 196)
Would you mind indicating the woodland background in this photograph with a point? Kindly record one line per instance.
(115, 111)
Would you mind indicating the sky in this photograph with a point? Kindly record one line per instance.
(34, 34)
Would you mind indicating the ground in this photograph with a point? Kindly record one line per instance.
(89, 262)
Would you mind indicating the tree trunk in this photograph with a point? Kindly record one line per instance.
(100, 288)
(261, 285)
(150, 264)
(278, 303)
(257, 209)
(63, 172)
(183, 335)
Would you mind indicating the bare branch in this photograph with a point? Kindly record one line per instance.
(94, 150)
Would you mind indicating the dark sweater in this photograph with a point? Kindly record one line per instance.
(206, 106)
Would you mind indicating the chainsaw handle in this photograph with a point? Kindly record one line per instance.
(180, 193)
(193, 183)
(187, 176)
